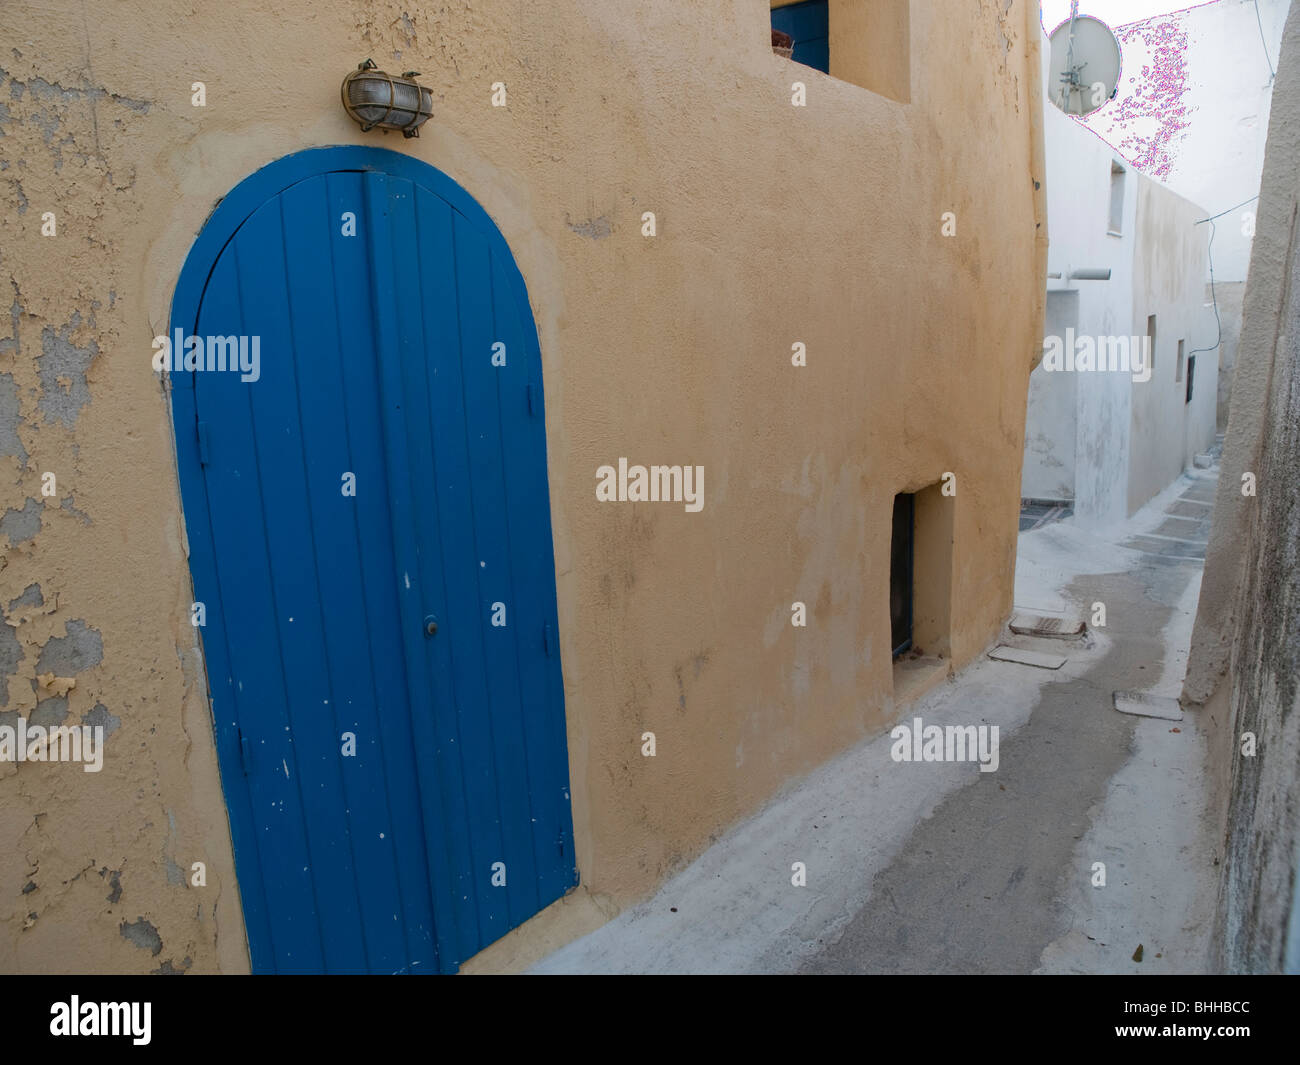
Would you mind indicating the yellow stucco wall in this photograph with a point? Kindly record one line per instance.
(776, 224)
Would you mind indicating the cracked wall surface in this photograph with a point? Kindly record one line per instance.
(1244, 665)
(775, 224)
(93, 587)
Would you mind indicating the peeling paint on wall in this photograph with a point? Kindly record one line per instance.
(79, 649)
(99, 128)
(98, 716)
(62, 367)
(11, 653)
(143, 934)
(31, 597)
(10, 442)
(21, 524)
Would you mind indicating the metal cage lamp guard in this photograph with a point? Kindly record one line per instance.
(378, 100)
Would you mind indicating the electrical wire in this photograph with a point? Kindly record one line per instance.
(1209, 251)
(1218, 323)
(1267, 58)
(1228, 211)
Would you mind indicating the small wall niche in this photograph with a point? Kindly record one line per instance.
(920, 593)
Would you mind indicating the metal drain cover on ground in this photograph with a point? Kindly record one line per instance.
(1037, 625)
(1003, 653)
(1143, 705)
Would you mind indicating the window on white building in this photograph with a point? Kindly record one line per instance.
(1117, 175)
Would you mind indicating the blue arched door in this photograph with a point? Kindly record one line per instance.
(366, 502)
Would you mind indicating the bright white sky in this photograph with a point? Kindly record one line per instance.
(1111, 12)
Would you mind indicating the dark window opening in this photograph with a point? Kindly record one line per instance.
(900, 573)
(1116, 225)
(1191, 375)
(808, 24)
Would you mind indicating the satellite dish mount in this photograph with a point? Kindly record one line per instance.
(1085, 63)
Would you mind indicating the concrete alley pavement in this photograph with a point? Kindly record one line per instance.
(928, 867)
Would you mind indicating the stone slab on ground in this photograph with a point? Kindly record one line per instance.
(1144, 705)
(1003, 653)
(1051, 628)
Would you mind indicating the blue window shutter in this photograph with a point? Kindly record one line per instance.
(808, 23)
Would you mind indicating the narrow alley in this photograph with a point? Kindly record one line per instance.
(939, 868)
(775, 487)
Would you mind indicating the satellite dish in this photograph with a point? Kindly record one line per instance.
(1085, 64)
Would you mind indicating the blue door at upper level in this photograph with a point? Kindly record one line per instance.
(367, 509)
(808, 23)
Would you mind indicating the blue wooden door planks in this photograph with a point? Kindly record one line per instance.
(369, 525)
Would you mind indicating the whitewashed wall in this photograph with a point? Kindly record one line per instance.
(1169, 273)
(1080, 441)
(1199, 126)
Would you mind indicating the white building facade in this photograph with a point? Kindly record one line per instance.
(1111, 417)
(1192, 111)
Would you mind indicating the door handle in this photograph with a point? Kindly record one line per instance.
(430, 626)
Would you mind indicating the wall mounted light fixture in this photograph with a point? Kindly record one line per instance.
(386, 101)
